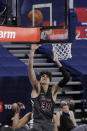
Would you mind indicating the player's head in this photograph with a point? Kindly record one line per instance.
(65, 108)
(45, 77)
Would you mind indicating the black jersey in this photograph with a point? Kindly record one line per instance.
(43, 107)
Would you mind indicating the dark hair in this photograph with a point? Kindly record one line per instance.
(47, 73)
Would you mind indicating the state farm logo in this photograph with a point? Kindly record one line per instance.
(1, 106)
(7, 34)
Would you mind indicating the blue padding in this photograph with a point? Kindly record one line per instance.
(10, 65)
(14, 83)
(46, 49)
(79, 57)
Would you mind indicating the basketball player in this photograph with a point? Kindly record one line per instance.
(42, 95)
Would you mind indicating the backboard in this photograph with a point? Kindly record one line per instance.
(55, 27)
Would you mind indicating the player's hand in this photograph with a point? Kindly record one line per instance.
(57, 61)
(21, 105)
(35, 46)
(54, 59)
(17, 107)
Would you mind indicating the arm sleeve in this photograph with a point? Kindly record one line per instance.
(66, 78)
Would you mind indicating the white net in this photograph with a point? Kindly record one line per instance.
(62, 51)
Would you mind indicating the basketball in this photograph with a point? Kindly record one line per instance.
(38, 17)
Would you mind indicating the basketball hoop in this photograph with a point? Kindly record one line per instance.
(62, 51)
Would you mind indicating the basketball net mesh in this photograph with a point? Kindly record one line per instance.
(62, 51)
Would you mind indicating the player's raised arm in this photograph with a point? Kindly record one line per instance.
(31, 72)
(66, 77)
